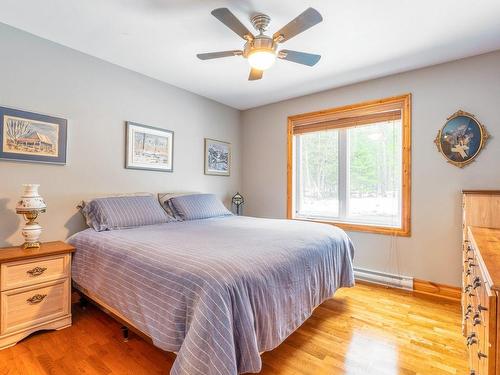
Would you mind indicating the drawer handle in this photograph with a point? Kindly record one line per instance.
(37, 271)
(37, 298)
(477, 282)
(481, 308)
(476, 322)
(472, 341)
(481, 355)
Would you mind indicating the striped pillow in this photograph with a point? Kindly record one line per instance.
(164, 199)
(124, 212)
(198, 206)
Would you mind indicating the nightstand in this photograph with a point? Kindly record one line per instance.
(35, 290)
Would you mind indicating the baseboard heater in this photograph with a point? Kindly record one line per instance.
(382, 278)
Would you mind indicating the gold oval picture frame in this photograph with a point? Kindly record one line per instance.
(461, 139)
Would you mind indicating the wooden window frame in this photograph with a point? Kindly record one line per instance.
(338, 118)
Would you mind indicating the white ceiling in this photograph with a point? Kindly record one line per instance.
(358, 39)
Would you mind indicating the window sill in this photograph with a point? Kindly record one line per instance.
(390, 231)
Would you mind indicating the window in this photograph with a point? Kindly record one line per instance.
(350, 166)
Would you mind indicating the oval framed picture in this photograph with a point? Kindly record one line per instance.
(461, 139)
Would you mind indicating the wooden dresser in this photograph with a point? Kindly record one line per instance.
(481, 280)
(35, 290)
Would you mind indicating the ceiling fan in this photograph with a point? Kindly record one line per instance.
(262, 50)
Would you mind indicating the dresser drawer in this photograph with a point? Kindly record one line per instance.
(26, 307)
(33, 271)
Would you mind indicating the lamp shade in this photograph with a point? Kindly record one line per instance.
(30, 200)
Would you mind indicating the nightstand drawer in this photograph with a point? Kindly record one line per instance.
(26, 307)
(33, 271)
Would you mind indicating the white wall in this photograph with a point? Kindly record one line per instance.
(97, 98)
(433, 252)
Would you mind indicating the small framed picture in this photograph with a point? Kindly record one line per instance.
(149, 148)
(217, 157)
(461, 139)
(32, 137)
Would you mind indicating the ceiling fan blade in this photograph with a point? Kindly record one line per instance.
(304, 21)
(303, 58)
(225, 16)
(216, 55)
(255, 74)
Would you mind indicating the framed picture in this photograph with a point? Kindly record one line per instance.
(217, 157)
(149, 148)
(32, 137)
(461, 139)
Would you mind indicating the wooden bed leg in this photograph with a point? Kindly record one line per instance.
(125, 333)
(83, 302)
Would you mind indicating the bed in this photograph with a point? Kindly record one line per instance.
(217, 291)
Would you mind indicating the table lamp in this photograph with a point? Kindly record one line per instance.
(30, 206)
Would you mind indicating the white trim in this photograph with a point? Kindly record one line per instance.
(383, 278)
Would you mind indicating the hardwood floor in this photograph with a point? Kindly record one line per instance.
(363, 330)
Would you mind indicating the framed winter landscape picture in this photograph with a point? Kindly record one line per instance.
(217, 157)
(149, 148)
(461, 139)
(32, 137)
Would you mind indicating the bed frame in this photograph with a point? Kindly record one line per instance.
(87, 296)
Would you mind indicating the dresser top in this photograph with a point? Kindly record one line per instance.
(488, 246)
(9, 254)
(482, 192)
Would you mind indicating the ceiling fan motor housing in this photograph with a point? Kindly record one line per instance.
(260, 43)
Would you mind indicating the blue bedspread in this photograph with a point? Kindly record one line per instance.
(216, 291)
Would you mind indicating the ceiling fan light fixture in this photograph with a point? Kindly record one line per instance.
(261, 59)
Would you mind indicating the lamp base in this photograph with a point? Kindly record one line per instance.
(31, 245)
(31, 233)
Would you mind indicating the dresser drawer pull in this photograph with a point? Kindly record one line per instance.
(468, 311)
(37, 298)
(476, 321)
(477, 284)
(472, 341)
(37, 271)
(467, 288)
(481, 308)
(468, 259)
(481, 355)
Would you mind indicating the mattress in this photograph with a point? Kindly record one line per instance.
(217, 291)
